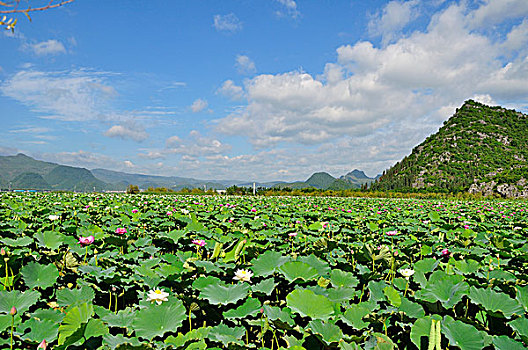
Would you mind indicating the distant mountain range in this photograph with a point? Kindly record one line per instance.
(23, 172)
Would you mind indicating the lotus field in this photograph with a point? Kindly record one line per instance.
(106, 271)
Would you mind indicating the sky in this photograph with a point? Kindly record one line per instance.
(253, 90)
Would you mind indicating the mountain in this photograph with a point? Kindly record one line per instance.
(480, 149)
(64, 177)
(320, 180)
(13, 166)
(357, 178)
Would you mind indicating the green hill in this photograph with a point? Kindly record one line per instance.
(357, 178)
(480, 149)
(13, 166)
(30, 181)
(320, 180)
(65, 177)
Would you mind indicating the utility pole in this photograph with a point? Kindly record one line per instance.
(254, 189)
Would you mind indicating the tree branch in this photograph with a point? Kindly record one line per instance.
(50, 5)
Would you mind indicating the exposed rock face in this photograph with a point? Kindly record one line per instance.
(484, 188)
(518, 190)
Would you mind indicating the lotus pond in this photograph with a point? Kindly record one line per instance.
(94, 271)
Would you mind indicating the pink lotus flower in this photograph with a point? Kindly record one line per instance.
(466, 227)
(446, 252)
(134, 211)
(43, 345)
(86, 240)
(199, 242)
(253, 209)
(169, 213)
(391, 233)
(120, 230)
(292, 234)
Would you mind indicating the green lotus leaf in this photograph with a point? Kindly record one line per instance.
(95, 328)
(251, 307)
(495, 302)
(522, 296)
(340, 278)
(48, 314)
(67, 297)
(116, 341)
(321, 266)
(341, 294)
(266, 263)
(376, 290)
(73, 320)
(393, 296)
(266, 286)
(354, 316)
(19, 242)
(308, 304)
(425, 265)
(448, 289)
(155, 320)
(434, 216)
(123, 318)
(380, 341)
(201, 282)
(421, 328)
(520, 325)
(224, 294)
(225, 334)
(208, 266)
(276, 313)
(5, 321)
(467, 267)
(504, 342)
(462, 335)
(49, 239)
(298, 270)
(37, 275)
(39, 330)
(330, 333)
(21, 300)
(411, 309)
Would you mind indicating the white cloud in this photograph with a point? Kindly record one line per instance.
(382, 101)
(496, 11)
(195, 145)
(392, 19)
(231, 90)
(227, 23)
(199, 105)
(49, 47)
(290, 7)
(70, 96)
(127, 132)
(245, 65)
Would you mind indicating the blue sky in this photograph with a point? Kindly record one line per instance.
(252, 90)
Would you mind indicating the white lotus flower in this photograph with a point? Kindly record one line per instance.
(53, 217)
(158, 296)
(407, 273)
(243, 275)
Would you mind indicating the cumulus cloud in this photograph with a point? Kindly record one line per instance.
(49, 47)
(126, 132)
(496, 11)
(400, 92)
(392, 19)
(227, 23)
(231, 90)
(245, 65)
(199, 105)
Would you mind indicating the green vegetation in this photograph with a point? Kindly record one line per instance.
(478, 146)
(97, 271)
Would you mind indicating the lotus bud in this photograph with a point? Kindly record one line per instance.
(43, 345)
(13, 311)
(2, 251)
